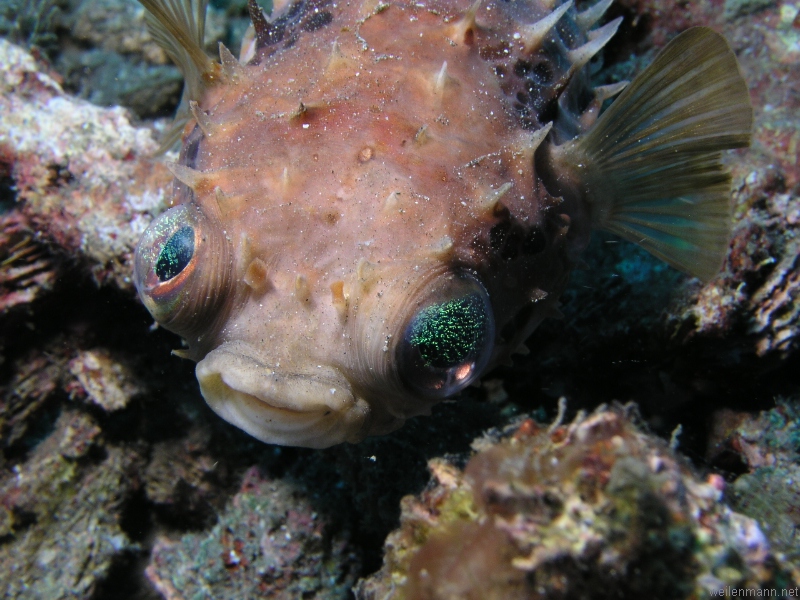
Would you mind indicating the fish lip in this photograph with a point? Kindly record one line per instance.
(313, 410)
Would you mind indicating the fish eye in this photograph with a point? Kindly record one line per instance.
(166, 255)
(175, 254)
(448, 341)
(182, 269)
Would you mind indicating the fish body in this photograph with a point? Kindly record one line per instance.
(379, 201)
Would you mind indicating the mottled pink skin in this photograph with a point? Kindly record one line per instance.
(344, 180)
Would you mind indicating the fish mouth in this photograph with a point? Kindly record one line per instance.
(312, 410)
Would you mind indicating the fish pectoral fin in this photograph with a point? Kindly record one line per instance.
(651, 166)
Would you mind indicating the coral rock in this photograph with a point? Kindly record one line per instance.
(268, 543)
(60, 517)
(767, 445)
(82, 173)
(105, 381)
(593, 509)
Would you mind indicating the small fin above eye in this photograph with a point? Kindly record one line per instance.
(178, 26)
(651, 165)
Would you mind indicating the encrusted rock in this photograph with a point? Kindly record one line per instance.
(83, 174)
(268, 543)
(26, 268)
(105, 381)
(36, 377)
(768, 445)
(594, 509)
(60, 518)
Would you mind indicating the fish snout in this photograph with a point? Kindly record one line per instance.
(313, 408)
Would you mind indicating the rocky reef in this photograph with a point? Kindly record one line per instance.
(116, 481)
(268, 542)
(592, 509)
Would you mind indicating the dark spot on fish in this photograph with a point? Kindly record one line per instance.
(549, 110)
(510, 238)
(510, 250)
(542, 72)
(522, 68)
(498, 235)
(191, 148)
(316, 21)
(496, 52)
(500, 71)
(534, 241)
(306, 15)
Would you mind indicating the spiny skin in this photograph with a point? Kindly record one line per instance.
(369, 162)
(374, 151)
(380, 166)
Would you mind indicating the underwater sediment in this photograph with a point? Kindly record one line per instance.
(116, 481)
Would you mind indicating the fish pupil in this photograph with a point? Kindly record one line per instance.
(175, 254)
(449, 333)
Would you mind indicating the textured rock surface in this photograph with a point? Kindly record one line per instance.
(102, 380)
(768, 447)
(82, 174)
(572, 511)
(60, 513)
(269, 542)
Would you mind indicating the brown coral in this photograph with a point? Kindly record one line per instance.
(594, 509)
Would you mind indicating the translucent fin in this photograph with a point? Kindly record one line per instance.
(651, 166)
(174, 133)
(178, 26)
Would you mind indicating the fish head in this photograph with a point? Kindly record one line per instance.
(317, 359)
(353, 233)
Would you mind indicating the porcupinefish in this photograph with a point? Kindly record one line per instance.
(380, 200)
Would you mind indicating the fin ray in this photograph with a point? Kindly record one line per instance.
(652, 165)
(178, 26)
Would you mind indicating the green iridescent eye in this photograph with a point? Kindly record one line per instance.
(448, 342)
(448, 333)
(182, 269)
(176, 253)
